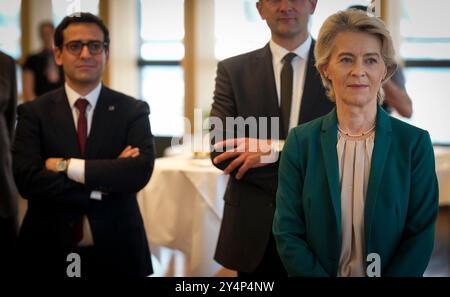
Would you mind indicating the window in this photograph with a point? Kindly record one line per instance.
(325, 8)
(428, 89)
(161, 52)
(10, 27)
(425, 36)
(425, 30)
(62, 8)
(238, 28)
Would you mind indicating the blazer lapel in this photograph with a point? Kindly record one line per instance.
(102, 121)
(64, 124)
(328, 139)
(379, 157)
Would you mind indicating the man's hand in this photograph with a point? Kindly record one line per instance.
(249, 153)
(129, 152)
(50, 164)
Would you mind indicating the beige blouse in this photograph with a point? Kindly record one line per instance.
(354, 155)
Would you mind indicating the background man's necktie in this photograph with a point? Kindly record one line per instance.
(81, 104)
(287, 74)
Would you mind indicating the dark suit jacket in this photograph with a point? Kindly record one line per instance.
(8, 191)
(46, 129)
(8, 101)
(400, 209)
(245, 87)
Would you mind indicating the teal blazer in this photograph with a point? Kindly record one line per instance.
(401, 201)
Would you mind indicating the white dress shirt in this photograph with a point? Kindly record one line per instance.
(299, 66)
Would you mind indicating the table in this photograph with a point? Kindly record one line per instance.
(182, 208)
(442, 155)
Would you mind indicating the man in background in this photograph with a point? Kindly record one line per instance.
(277, 81)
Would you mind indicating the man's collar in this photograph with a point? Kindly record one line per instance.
(92, 97)
(278, 52)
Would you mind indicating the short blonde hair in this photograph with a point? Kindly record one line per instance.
(352, 20)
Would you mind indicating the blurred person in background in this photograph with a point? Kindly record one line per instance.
(40, 72)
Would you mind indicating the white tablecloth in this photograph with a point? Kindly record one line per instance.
(182, 209)
(442, 156)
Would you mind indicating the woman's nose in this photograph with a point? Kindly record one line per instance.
(358, 69)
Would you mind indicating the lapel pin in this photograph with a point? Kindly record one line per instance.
(111, 108)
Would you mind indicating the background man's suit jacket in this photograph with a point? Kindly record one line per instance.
(400, 209)
(8, 101)
(46, 129)
(245, 86)
(8, 191)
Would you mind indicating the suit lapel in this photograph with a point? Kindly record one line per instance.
(379, 157)
(328, 139)
(311, 88)
(265, 85)
(64, 124)
(102, 121)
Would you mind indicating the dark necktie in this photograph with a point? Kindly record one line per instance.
(287, 75)
(81, 105)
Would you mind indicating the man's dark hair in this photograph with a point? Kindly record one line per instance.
(359, 7)
(79, 18)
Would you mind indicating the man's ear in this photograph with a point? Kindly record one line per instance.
(107, 54)
(313, 6)
(260, 9)
(57, 52)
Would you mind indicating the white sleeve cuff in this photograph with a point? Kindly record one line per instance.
(75, 171)
(277, 145)
(96, 195)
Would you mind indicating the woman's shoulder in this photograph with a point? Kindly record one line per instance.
(310, 128)
(403, 128)
(407, 135)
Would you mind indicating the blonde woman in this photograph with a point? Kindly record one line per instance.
(356, 182)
